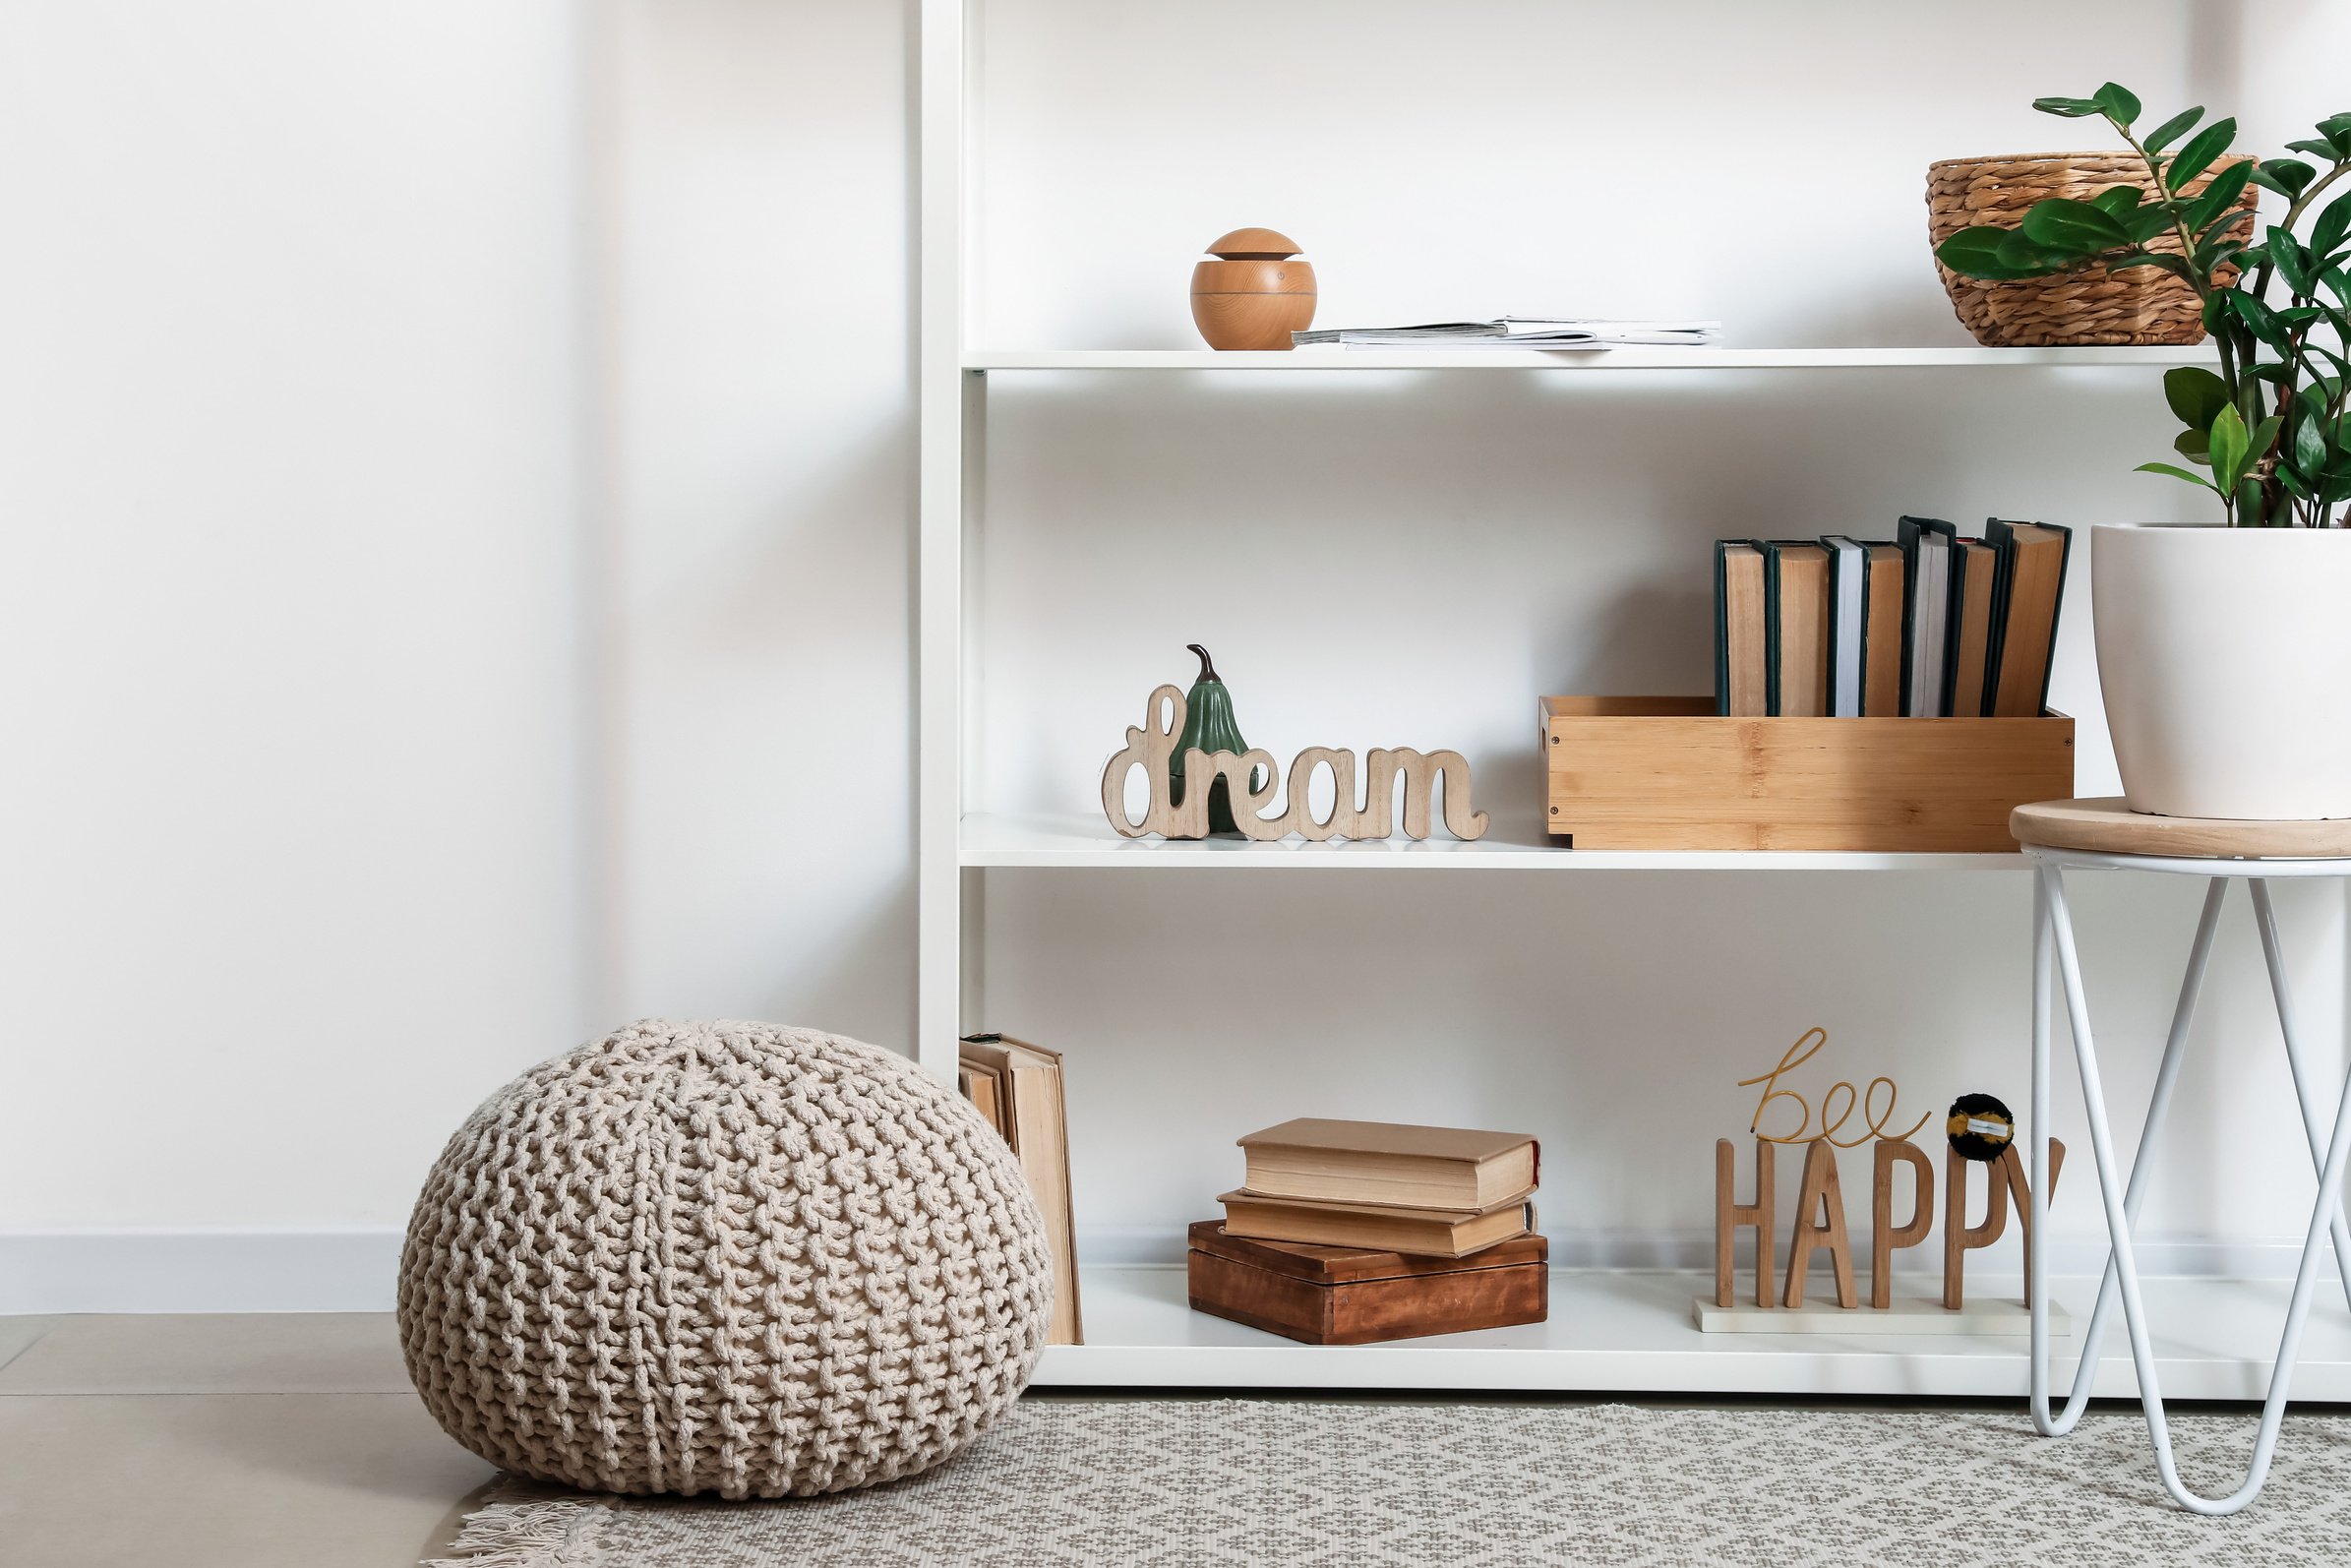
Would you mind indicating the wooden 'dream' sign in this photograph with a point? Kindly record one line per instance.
(1151, 747)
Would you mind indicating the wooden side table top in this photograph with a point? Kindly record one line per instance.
(2106, 825)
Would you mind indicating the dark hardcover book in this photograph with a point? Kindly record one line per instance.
(2029, 599)
(1966, 668)
(1796, 628)
(1926, 610)
(1739, 641)
(1996, 536)
(2057, 609)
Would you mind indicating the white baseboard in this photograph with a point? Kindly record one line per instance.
(355, 1270)
(199, 1271)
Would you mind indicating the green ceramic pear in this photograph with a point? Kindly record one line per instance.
(1208, 724)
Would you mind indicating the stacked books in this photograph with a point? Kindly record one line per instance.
(1439, 1192)
(1017, 1088)
(1520, 331)
(1354, 1231)
(1926, 625)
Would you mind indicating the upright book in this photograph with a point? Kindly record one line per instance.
(1865, 626)
(1848, 623)
(1882, 639)
(2028, 598)
(983, 1087)
(1926, 613)
(1796, 628)
(1390, 1163)
(1740, 644)
(1974, 579)
(1032, 1118)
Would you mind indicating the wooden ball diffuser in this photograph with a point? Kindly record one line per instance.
(1255, 292)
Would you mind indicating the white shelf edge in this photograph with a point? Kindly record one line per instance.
(1060, 842)
(1627, 1331)
(1580, 360)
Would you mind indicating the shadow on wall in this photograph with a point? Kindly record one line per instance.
(859, 981)
(753, 842)
(756, 849)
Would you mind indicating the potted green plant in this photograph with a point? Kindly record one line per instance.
(2223, 649)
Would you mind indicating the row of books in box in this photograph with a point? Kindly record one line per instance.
(1930, 623)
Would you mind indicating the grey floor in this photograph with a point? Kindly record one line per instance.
(251, 1442)
(219, 1442)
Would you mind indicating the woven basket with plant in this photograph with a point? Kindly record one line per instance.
(2143, 305)
(2273, 424)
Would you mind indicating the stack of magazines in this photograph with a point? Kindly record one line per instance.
(1521, 331)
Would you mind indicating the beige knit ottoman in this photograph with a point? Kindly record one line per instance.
(723, 1257)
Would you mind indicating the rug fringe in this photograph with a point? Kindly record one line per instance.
(550, 1533)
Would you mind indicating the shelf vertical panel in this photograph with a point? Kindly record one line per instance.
(971, 682)
(940, 542)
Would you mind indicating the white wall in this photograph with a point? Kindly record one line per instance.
(456, 509)
(455, 494)
(757, 450)
(289, 616)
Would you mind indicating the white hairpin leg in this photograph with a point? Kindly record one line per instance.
(2123, 1267)
(2273, 954)
(2167, 1075)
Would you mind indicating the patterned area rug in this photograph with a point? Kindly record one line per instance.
(1303, 1484)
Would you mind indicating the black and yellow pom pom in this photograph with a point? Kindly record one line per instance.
(1980, 1126)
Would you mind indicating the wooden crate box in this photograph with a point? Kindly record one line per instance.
(1666, 772)
(1359, 1295)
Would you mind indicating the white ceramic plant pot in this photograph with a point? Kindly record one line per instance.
(2225, 656)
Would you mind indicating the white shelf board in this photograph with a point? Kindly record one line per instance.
(1577, 359)
(1042, 841)
(1630, 1331)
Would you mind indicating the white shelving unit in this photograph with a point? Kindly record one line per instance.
(1607, 359)
(1041, 841)
(1609, 1329)
(1628, 1330)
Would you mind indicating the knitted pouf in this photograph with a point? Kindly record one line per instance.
(729, 1259)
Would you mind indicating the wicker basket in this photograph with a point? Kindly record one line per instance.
(2138, 305)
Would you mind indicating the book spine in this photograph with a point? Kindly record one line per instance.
(2004, 570)
(2057, 611)
(1721, 633)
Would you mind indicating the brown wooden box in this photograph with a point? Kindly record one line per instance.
(1350, 1296)
(1666, 772)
